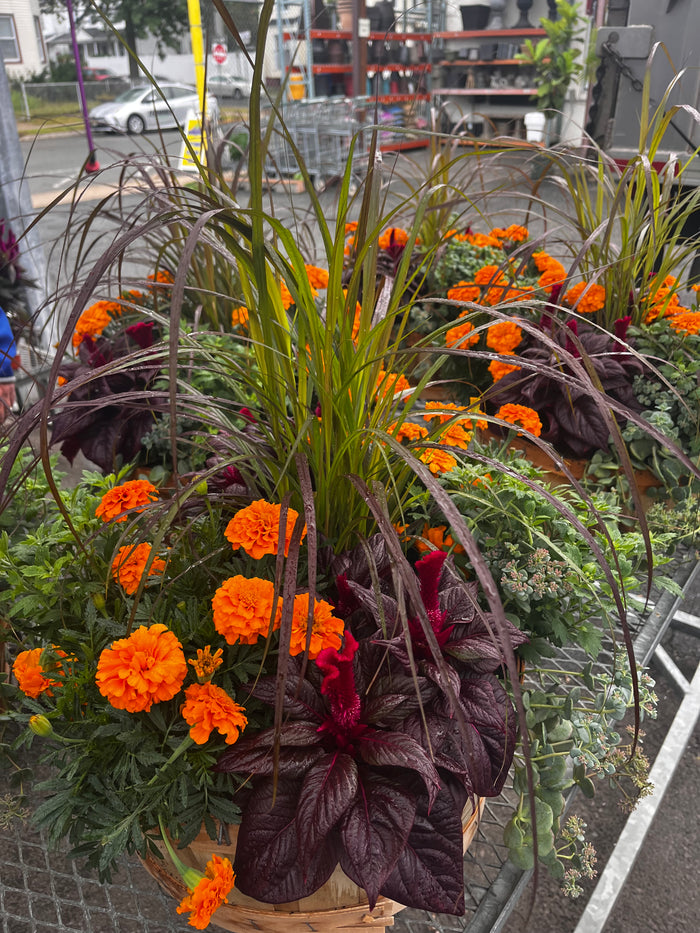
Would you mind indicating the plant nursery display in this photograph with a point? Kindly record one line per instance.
(296, 623)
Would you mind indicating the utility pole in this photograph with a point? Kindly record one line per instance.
(16, 207)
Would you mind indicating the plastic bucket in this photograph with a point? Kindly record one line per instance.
(534, 126)
(296, 86)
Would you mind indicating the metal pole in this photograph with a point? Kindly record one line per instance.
(16, 207)
(359, 50)
(92, 165)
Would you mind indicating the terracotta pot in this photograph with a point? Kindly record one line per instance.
(338, 905)
(539, 458)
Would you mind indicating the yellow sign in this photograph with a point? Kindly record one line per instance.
(195, 138)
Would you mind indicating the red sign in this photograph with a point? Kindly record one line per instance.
(219, 53)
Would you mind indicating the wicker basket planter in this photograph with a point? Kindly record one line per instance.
(338, 905)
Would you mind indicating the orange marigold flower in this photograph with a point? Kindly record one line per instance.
(147, 667)
(586, 298)
(391, 383)
(439, 539)
(464, 291)
(326, 629)
(551, 277)
(256, 528)
(474, 410)
(695, 288)
(441, 410)
(287, 300)
(489, 275)
(456, 334)
(164, 276)
(239, 317)
(350, 226)
(480, 240)
(516, 233)
(521, 414)
(318, 278)
(686, 322)
(504, 336)
(61, 381)
(456, 435)
(208, 707)
(519, 293)
(243, 609)
(129, 564)
(544, 261)
(437, 460)
(499, 369)
(94, 320)
(134, 494)
(393, 236)
(31, 667)
(206, 664)
(210, 893)
(409, 431)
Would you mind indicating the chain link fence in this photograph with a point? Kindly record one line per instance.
(47, 100)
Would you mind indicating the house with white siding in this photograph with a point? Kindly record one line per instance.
(22, 38)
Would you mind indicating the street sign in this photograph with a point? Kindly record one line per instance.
(219, 53)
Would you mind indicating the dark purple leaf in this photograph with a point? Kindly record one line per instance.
(260, 761)
(268, 861)
(492, 717)
(374, 831)
(397, 750)
(429, 872)
(301, 699)
(329, 789)
(249, 752)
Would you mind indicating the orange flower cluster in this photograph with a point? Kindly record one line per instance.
(208, 708)
(480, 240)
(350, 226)
(686, 322)
(326, 629)
(239, 317)
(31, 667)
(663, 301)
(132, 495)
(147, 667)
(439, 538)
(522, 415)
(162, 276)
(553, 272)
(393, 236)
(256, 529)
(318, 278)
(94, 320)
(458, 333)
(409, 431)
(211, 892)
(513, 233)
(206, 664)
(499, 369)
(458, 434)
(286, 295)
(438, 461)
(243, 609)
(464, 291)
(586, 298)
(504, 337)
(390, 384)
(129, 564)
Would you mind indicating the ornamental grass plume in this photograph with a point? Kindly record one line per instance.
(145, 668)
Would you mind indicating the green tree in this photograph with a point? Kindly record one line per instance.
(165, 20)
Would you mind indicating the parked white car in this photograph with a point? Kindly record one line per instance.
(143, 108)
(229, 86)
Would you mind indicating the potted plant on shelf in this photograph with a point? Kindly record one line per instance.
(555, 64)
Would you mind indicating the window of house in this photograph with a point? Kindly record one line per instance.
(40, 40)
(8, 39)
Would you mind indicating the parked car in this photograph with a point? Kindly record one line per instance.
(229, 86)
(102, 74)
(143, 108)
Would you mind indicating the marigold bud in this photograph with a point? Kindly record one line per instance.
(99, 601)
(40, 725)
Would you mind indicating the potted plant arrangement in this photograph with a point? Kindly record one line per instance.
(299, 665)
